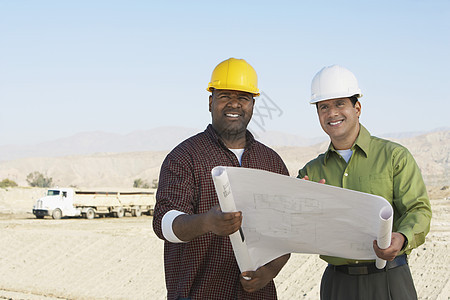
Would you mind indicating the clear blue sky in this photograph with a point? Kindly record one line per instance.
(120, 66)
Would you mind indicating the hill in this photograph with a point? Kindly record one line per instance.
(157, 139)
(431, 151)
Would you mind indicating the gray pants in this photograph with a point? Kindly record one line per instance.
(393, 284)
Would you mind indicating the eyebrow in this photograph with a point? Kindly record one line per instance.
(239, 95)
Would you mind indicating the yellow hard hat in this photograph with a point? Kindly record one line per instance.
(234, 74)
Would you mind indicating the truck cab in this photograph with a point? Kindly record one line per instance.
(57, 203)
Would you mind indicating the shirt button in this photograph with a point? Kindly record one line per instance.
(345, 174)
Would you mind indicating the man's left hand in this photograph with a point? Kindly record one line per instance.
(256, 280)
(253, 281)
(397, 241)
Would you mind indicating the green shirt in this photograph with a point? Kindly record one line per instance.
(382, 168)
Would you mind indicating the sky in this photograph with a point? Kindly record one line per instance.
(120, 66)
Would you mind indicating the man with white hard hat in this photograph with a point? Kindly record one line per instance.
(361, 162)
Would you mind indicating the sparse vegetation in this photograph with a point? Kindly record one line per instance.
(140, 183)
(7, 183)
(155, 184)
(37, 179)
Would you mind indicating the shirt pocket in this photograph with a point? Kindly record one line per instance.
(378, 184)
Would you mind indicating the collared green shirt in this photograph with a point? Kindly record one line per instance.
(382, 168)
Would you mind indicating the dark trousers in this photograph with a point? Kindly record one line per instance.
(392, 284)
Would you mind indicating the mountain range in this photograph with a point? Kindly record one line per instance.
(157, 139)
(97, 159)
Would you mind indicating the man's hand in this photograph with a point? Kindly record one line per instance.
(221, 223)
(397, 241)
(320, 181)
(188, 227)
(253, 281)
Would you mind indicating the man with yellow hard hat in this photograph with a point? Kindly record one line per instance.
(199, 260)
(359, 161)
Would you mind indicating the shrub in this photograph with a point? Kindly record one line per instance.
(140, 183)
(7, 183)
(155, 184)
(37, 179)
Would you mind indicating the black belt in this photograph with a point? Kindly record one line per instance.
(370, 268)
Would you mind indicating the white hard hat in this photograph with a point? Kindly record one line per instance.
(334, 82)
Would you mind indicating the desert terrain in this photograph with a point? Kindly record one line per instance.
(111, 258)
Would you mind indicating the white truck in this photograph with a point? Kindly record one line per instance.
(61, 202)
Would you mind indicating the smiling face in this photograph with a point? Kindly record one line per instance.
(339, 118)
(231, 112)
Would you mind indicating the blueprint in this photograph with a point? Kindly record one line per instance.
(282, 214)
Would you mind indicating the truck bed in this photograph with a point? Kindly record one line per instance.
(101, 199)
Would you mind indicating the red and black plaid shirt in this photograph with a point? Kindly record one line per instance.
(205, 268)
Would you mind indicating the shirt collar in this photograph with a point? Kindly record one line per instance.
(362, 143)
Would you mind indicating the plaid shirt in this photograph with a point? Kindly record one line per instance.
(205, 268)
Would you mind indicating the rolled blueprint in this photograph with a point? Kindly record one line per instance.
(384, 233)
(227, 204)
(283, 214)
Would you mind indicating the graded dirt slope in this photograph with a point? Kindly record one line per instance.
(109, 258)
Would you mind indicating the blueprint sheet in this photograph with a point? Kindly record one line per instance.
(282, 214)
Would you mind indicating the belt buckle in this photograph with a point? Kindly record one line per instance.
(363, 270)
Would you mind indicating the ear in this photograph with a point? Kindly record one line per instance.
(210, 102)
(358, 108)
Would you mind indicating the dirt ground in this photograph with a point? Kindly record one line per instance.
(110, 258)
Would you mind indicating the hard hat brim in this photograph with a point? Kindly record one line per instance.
(257, 94)
(334, 96)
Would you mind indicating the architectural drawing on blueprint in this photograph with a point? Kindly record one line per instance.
(283, 215)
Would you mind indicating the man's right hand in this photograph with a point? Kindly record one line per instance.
(221, 223)
(188, 227)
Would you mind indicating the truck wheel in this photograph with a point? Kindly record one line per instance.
(137, 211)
(39, 217)
(56, 214)
(120, 212)
(90, 213)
